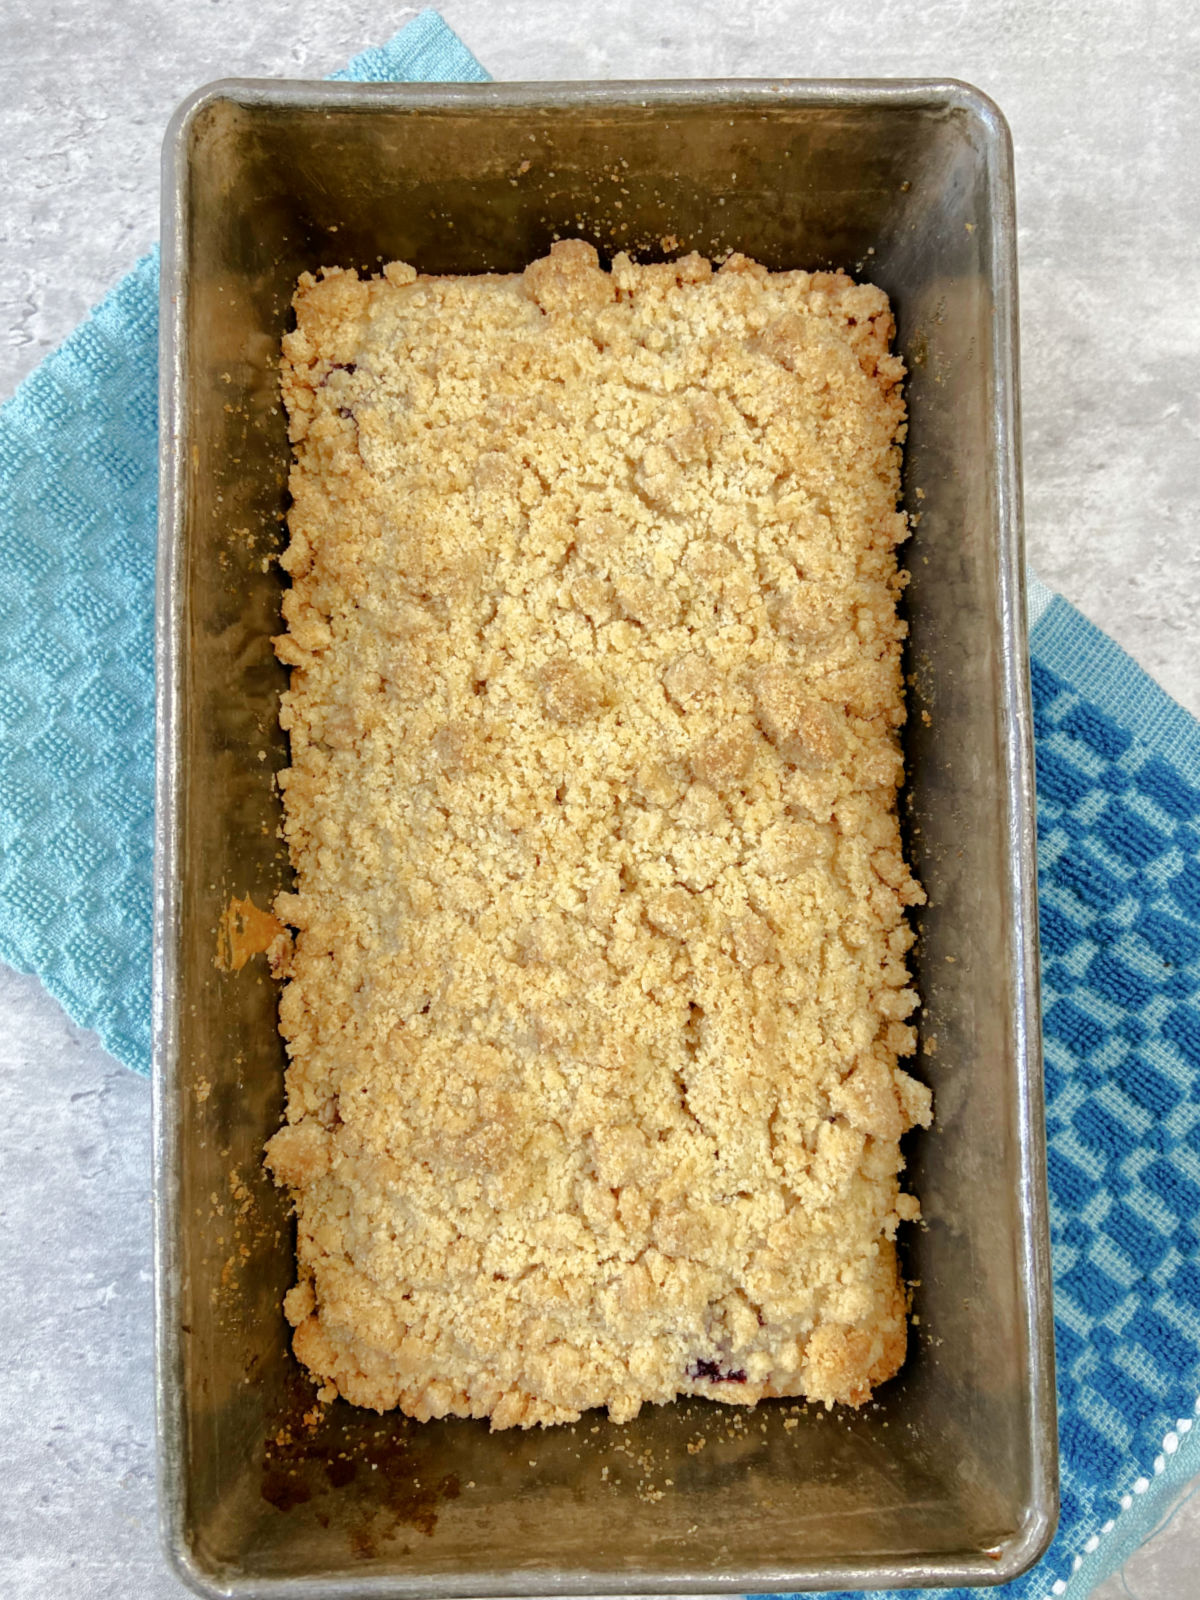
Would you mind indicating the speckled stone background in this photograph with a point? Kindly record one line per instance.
(1102, 98)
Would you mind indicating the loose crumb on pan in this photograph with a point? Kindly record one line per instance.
(599, 979)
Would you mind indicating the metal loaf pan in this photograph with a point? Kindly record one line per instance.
(951, 1477)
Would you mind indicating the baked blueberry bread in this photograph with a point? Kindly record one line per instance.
(599, 982)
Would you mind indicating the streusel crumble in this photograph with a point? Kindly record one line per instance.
(599, 983)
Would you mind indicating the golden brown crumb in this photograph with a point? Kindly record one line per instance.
(599, 978)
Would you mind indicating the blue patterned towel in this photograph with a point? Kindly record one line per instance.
(1118, 775)
(1119, 840)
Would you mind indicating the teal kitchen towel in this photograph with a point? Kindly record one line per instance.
(1119, 843)
(78, 497)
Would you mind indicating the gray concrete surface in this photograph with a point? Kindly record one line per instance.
(1101, 98)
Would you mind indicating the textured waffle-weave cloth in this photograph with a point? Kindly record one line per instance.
(78, 498)
(1118, 780)
(1119, 854)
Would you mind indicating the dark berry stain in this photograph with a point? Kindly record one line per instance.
(284, 1489)
(712, 1373)
(340, 1471)
(316, 1452)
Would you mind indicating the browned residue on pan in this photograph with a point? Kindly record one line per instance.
(383, 1472)
(245, 931)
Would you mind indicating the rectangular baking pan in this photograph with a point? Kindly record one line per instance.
(950, 1477)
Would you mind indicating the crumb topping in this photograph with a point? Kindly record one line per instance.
(599, 978)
